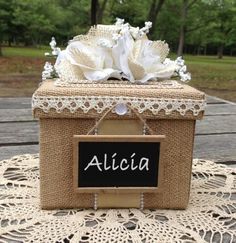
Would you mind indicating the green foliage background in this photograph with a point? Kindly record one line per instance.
(209, 23)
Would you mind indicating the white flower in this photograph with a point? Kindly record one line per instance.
(180, 61)
(95, 62)
(135, 32)
(55, 50)
(53, 43)
(47, 71)
(116, 36)
(145, 29)
(119, 22)
(104, 43)
(146, 61)
(184, 77)
(181, 70)
(119, 51)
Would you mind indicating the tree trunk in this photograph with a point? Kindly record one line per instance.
(199, 50)
(181, 41)
(112, 6)
(182, 27)
(153, 13)
(9, 42)
(205, 50)
(101, 11)
(94, 5)
(1, 54)
(220, 51)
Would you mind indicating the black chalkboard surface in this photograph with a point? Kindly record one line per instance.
(105, 162)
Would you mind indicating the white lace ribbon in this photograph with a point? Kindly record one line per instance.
(102, 103)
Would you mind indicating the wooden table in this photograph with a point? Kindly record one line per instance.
(215, 135)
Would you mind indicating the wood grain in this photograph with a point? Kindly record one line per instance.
(16, 115)
(221, 147)
(18, 132)
(6, 152)
(216, 125)
(15, 103)
(215, 133)
(220, 109)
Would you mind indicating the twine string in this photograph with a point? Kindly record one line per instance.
(151, 132)
(144, 125)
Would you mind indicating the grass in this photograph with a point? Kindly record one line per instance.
(20, 72)
(214, 76)
(24, 51)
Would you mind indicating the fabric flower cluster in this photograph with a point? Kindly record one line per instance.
(120, 52)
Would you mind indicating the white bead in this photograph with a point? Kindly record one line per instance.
(95, 206)
(121, 109)
(141, 201)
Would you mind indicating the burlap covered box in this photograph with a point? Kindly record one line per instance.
(169, 109)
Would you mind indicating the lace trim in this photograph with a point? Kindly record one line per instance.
(102, 103)
(168, 84)
(210, 216)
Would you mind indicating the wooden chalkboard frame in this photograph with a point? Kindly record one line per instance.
(117, 138)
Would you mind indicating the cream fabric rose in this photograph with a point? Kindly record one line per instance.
(119, 52)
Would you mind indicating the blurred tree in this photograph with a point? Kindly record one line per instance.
(185, 6)
(155, 8)
(223, 28)
(134, 12)
(94, 7)
(101, 9)
(6, 28)
(193, 26)
(32, 20)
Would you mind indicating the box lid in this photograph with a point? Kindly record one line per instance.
(165, 100)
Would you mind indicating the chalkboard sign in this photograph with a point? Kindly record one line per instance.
(110, 163)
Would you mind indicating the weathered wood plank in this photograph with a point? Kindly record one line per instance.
(216, 100)
(9, 115)
(205, 148)
(221, 148)
(15, 103)
(216, 147)
(219, 119)
(9, 151)
(216, 125)
(18, 132)
(27, 132)
(220, 109)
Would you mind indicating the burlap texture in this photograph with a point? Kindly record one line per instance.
(49, 89)
(56, 177)
(56, 155)
(56, 160)
(177, 164)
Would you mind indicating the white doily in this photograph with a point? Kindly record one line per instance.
(102, 103)
(210, 217)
